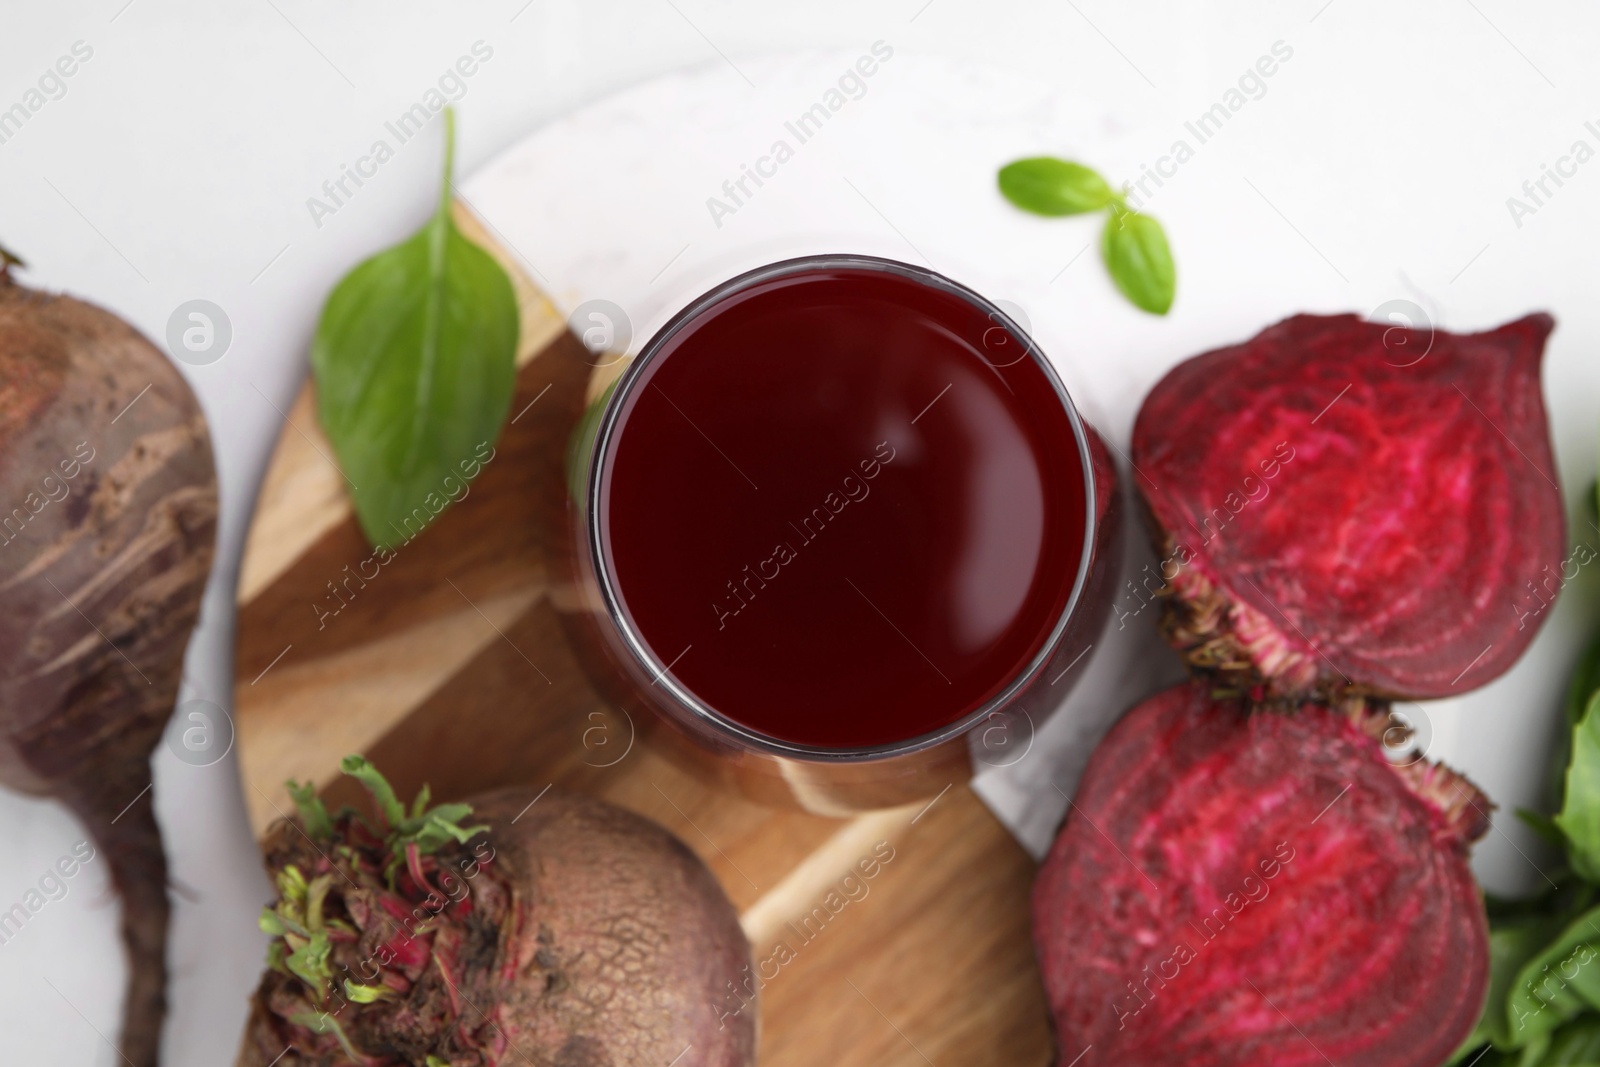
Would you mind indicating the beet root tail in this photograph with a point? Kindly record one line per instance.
(130, 840)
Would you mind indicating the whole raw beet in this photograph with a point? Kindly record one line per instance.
(1235, 888)
(586, 936)
(108, 509)
(1345, 505)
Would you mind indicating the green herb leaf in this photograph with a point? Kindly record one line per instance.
(367, 994)
(1048, 186)
(275, 957)
(420, 802)
(414, 359)
(1543, 825)
(320, 1022)
(357, 767)
(271, 924)
(1135, 251)
(436, 827)
(1584, 684)
(1576, 1044)
(1511, 946)
(1133, 245)
(313, 813)
(292, 885)
(1579, 819)
(316, 895)
(428, 828)
(309, 963)
(1556, 984)
(446, 812)
(439, 832)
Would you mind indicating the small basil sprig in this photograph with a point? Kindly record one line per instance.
(414, 360)
(1133, 245)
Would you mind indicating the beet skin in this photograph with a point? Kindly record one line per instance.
(108, 511)
(1236, 888)
(1349, 506)
(567, 932)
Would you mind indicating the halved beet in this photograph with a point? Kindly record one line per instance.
(1244, 889)
(1349, 505)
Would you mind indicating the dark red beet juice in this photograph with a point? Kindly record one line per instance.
(842, 506)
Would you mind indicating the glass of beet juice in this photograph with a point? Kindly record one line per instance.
(841, 527)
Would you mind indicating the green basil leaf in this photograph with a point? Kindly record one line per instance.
(1511, 945)
(414, 359)
(1047, 186)
(1558, 983)
(1579, 819)
(1584, 684)
(1136, 253)
(1543, 825)
(1480, 1056)
(1532, 1055)
(1576, 1044)
(1503, 911)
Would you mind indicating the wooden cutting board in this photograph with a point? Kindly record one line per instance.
(447, 664)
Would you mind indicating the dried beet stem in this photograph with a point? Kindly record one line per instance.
(1462, 807)
(1230, 641)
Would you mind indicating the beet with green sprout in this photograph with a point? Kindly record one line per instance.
(553, 929)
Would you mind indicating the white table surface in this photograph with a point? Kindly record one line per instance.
(1375, 166)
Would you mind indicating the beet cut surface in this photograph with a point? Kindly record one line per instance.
(1350, 505)
(1255, 889)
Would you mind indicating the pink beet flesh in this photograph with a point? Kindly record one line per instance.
(1352, 505)
(1236, 889)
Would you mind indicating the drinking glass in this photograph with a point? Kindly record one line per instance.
(833, 777)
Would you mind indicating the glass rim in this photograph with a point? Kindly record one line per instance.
(598, 483)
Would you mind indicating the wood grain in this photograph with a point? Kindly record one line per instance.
(447, 664)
